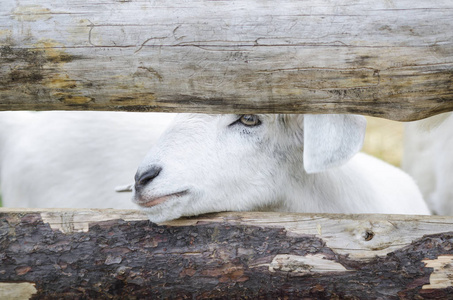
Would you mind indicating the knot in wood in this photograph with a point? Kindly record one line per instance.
(368, 235)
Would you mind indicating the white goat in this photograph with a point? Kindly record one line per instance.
(73, 159)
(291, 163)
(428, 157)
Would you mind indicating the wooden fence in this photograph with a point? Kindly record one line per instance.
(391, 59)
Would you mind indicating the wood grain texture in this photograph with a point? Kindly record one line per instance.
(391, 59)
(120, 254)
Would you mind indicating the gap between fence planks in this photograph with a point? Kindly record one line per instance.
(391, 59)
(116, 253)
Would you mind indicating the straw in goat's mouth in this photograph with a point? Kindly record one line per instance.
(159, 200)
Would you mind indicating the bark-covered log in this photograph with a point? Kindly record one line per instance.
(110, 254)
(391, 59)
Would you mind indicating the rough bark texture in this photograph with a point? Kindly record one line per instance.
(391, 59)
(230, 255)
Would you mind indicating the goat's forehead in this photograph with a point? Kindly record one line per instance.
(287, 120)
(200, 118)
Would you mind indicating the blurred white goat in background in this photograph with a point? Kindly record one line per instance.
(428, 157)
(73, 159)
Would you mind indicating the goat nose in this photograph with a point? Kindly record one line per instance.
(142, 179)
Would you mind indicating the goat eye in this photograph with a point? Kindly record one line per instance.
(250, 120)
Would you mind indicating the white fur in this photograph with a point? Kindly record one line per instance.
(428, 157)
(73, 159)
(213, 163)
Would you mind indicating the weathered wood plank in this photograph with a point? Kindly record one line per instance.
(382, 58)
(113, 254)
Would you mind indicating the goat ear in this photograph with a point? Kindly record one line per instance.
(331, 140)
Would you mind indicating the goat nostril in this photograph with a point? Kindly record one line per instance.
(143, 179)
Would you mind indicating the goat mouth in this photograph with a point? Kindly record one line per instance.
(158, 200)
